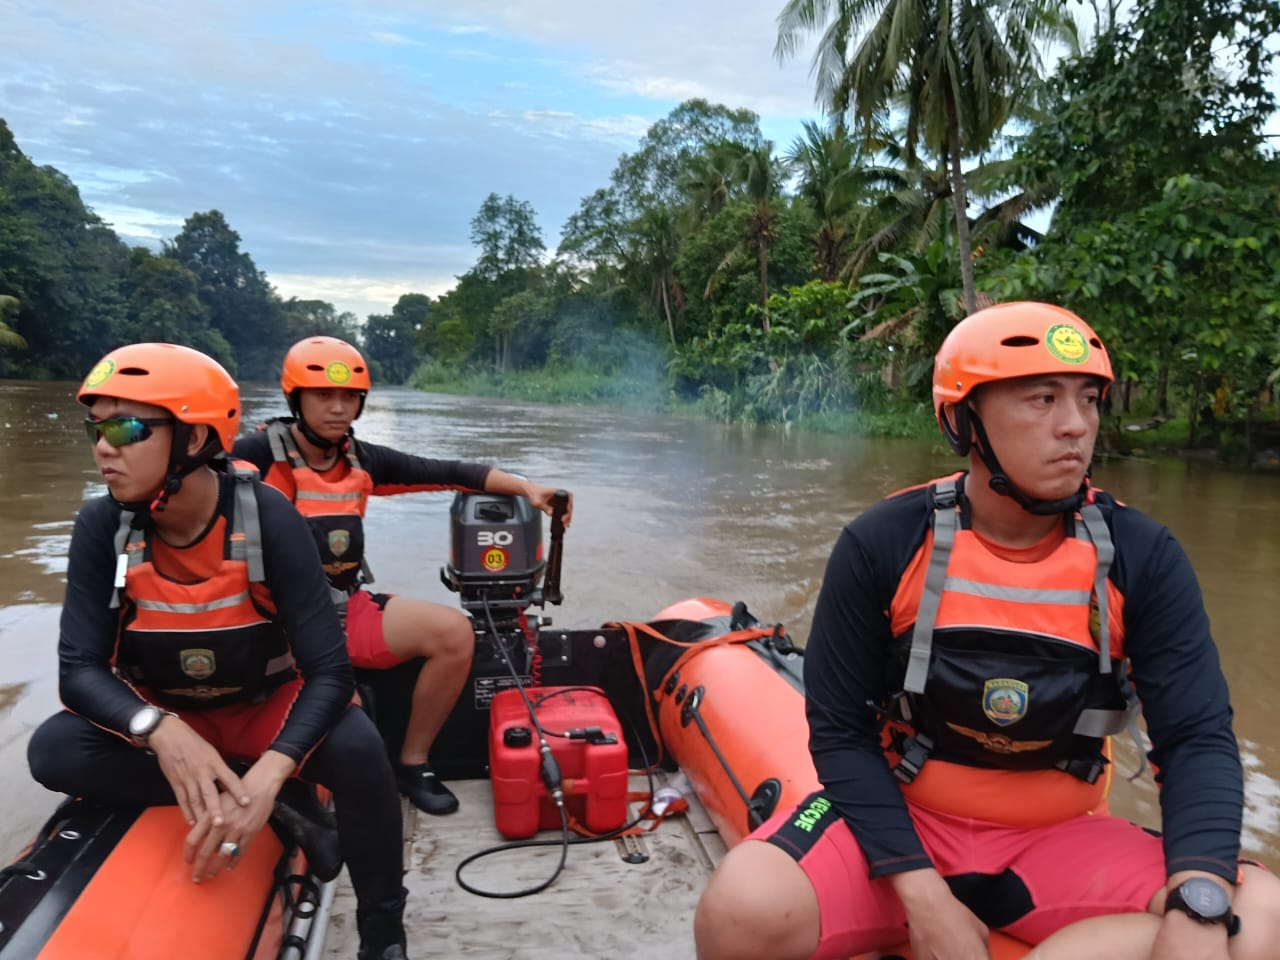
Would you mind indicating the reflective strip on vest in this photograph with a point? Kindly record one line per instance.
(188, 609)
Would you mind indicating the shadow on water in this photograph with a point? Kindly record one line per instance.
(664, 508)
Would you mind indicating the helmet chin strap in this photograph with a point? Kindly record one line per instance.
(1002, 485)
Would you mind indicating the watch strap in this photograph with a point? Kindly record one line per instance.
(1175, 901)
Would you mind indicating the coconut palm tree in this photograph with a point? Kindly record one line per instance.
(959, 65)
(841, 185)
(760, 173)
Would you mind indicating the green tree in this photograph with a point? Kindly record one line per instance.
(653, 175)
(8, 336)
(958, 66)
(1177, 89)
(61, 264)
(390, 340)
(507, 233)
(761, 176)
(164, 307)
(240, 302)
(317, 318)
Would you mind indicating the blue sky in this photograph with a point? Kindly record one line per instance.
(350, 143)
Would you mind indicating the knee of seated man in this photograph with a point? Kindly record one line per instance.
(1257, 902)
(741, 908)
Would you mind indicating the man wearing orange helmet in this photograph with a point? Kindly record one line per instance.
(976, 642)
(314, 459)
(197, 634)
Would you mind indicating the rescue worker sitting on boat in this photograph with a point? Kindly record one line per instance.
(197, 633)
(314, 458)
(976, 641)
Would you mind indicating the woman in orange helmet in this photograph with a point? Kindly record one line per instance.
(976, 641)
(314, 458)
(197, 633)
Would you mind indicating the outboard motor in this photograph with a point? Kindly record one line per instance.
(498, 569)
(495, 556)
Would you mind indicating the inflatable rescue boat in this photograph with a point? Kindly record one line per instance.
(547, 715)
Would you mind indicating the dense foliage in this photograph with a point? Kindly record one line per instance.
(808, 280)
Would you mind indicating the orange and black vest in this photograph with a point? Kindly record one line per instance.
(334, 510)
(202, 644)
(1007, 665)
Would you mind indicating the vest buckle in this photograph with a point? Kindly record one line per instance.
(915, 752)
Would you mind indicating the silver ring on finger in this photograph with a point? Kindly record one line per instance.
(230, 849)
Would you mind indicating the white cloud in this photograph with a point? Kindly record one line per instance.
(359, 295)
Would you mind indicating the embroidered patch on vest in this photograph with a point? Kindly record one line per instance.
(1004, 701)
(197, 664)
(339, 541)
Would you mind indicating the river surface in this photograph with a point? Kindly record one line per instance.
(664, 508)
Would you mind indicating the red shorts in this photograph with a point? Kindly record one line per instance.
(243, 731)
(365, 641)
(1028, 882)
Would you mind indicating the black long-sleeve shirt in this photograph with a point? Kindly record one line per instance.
(390, 470)
(1175, 670)
(88, 683)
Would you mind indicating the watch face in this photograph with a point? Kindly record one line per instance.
(1205, 897)
(144, 721)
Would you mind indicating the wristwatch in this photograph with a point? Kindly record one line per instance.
(1204, 901)
(144, 722)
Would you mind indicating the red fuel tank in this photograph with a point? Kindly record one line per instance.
(586, 740)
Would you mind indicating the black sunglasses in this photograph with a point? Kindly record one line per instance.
(122, 431)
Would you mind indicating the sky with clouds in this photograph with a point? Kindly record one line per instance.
(350, 143)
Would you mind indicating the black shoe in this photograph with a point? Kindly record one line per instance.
(381, 930)
(319, 843)
(393, 952)
(420, 784)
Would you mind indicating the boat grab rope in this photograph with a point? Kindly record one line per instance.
(692, 648)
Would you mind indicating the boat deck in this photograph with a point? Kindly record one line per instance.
(600, 906)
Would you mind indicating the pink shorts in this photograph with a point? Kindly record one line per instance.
(366, 643)
(1025, 882)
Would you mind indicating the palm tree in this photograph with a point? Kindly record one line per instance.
(653, 249)
(960, 65)
(841, 186)
(760, 174)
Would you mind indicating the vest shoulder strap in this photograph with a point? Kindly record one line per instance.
(246, 524)
(945, 500)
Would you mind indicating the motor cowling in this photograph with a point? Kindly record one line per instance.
(495, 553)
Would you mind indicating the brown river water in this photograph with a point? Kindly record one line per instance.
(664, 508)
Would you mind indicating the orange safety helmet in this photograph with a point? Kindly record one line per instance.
(190, 385)
(1008, 340)
(324, 362)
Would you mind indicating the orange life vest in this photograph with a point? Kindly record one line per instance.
(1007, 668)
(206, 643)
(334, 510)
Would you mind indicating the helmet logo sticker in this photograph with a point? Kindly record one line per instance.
(99, 374)
(338, 373)
(1004, 701)
(1067, 344)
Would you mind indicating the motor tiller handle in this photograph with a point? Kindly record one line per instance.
(551, 586)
